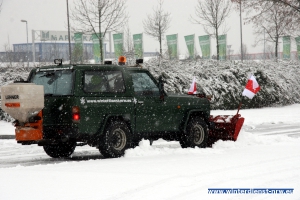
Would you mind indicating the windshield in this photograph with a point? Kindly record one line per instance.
(54, 82)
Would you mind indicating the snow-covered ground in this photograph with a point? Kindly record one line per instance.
(6, 128)
(266, 155)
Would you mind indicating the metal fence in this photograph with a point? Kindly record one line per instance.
(262, 56)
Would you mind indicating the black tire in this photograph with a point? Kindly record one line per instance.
(115, 140)
(63, 149)
(196, 134)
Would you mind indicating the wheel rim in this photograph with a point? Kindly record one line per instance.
(118, 141)
(198, 134)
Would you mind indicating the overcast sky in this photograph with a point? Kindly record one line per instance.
(51, 15)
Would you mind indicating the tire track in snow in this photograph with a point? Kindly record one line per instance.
(292, 130)
(17, 155)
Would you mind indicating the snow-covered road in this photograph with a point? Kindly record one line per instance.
(13, 154)
(266, 155)
(291, 130)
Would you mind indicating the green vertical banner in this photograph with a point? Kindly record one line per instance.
(172, 45)
(190, 43)
(298, 46)
(286, 41)
(78, 39)
(204, 42)
(118, 44)
(138, 46)
(222, 47)
(96, 47)
(78, 49)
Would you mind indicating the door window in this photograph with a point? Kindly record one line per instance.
(143, 85)
(104, 81)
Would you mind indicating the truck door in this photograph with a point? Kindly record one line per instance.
(104, 95)
(152, 114)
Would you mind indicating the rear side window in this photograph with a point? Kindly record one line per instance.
(55, 82)
(104, 81)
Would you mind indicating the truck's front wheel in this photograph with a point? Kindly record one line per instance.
(115, 140)
(60, 150)
(196, 134)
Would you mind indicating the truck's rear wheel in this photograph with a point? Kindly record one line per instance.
(63, 149)
(115, 140)
(196, 134)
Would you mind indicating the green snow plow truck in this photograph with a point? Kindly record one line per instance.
(110, 107)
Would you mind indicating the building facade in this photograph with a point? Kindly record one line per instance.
(47, 52)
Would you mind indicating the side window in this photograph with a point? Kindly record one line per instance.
(58, 82)
(104, 81)
(143, 85)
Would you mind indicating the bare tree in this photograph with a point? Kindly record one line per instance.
(128, 45)
(9, 56)
(157, 24)
(212, 15)
(269, 52)
(283, 7)
(264, 5)
(128, 40)
(99, 17)
(246, 54)
(294, 4)
(271, 19)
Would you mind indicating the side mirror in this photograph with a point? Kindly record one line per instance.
(161, 88)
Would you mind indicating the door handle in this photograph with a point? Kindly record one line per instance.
(140, 102)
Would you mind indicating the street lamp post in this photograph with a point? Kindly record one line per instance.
(241, 30)
(228, 51)
(27, 41)
(69, 38)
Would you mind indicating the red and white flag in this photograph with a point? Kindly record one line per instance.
(251, 88)
(193, 88)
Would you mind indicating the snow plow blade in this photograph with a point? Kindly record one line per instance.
(225, 127)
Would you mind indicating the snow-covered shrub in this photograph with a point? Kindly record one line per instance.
(226, 80)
